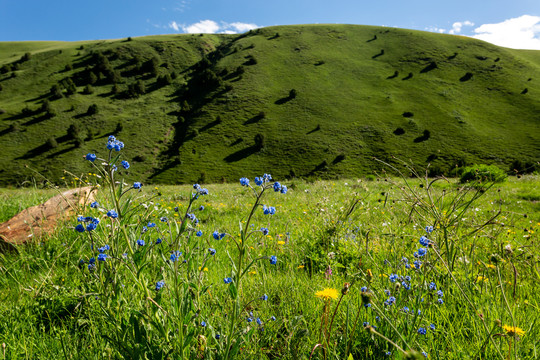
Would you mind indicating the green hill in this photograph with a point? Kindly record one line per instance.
(310, 100)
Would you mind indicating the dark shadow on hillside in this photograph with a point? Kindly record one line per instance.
(452, 56)
(236, 142)
(53, 155)
(468, 76)
(7, 131)
(254, 119)
(37, 120)
(524, 91)
(241, 154)
(408, 76)
(431, 66)
(34, 152)
(373, 38)
(168, 166)
(319, 63)
(318, 128)
(394, 75)
(379, 54)
(210, 125)
(38, 98)
(283, 100)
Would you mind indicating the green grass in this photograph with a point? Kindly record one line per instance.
(347, 107)
(52, 308)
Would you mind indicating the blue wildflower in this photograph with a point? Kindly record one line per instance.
(137, 185)
(267, 177)
(175, 255)
(227, 280)
(391, 300)
(79, 228)
(432, 326)
(112, 214)
(217, 235)
(125, 164)
(91, 226)
(377, 318)
(283, 189)
(422, 331)
(114, 168)
(425, 354)
(273, 260)
(160, 284)
(277, 186)
(363, 289)
(440, 301)
(197, 187)
(393, 278)
(259, 321)
(273, 318)
(387, 292)
(91, 157)
(405, 309)
(269, 210)
(203, 324)
(201, 208)
(417, 264)
(258, 181)
(158, 241)
(432, 286)
(102, 257)
(440, 293)
(212, 251)
(249, 319)
(264, 297)
(422, 252)
(406, 286)
(365, 324)
(424, 241)
(244, 181)
(218, 336)
(388, 353)
(151, 225)
(203, 192)
(198, 233)
(140, 242)
(104, 248)
(94, 205)
(265, 231)
(429, 229)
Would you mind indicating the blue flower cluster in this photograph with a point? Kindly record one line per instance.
(218, 236)
(91, 157)
(115, 144)
(269, 210)
(92, 223)
(112, 214)
(175, 255)
(199, 190)
(160, 284)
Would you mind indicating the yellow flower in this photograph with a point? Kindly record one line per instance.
(205, 269)
(513, 330)
(327, 294)
(252, 272)
(300, 267)
(281, 242)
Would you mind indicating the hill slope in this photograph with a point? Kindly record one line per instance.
(312, 100)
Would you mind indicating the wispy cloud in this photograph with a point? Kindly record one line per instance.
(212, 27)
(518, 33)
(456, 27)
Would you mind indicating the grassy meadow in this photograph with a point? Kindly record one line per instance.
(212, 107)
(329, 280)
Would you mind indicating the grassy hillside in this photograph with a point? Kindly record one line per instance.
(312, 100)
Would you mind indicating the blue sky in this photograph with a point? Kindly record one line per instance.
(507, 23)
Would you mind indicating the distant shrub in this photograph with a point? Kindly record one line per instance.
(56, 92)
(92, 78)
(119, 127)
(129, 38)
(482, 173)
(292, 94)
(70, 86)
(88, 89)
(523, 167)
(408, 114)
(73, 131)
(259, 141)
(68, 67)
(52, 143)
(339, 159)
(92, 109)
(1, 87)
(5, 69)
(26, 57)
(399, 131)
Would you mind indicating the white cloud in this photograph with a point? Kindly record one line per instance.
(242, 27)
(212, 27)
(203, 26)
(435, 29)
(456, 27)
(517, 33)
(174, 25)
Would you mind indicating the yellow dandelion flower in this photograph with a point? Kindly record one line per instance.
(300, 266)
(252, 272)
(327, 294)
(280, 242)
(513, 330)
(205, 269)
